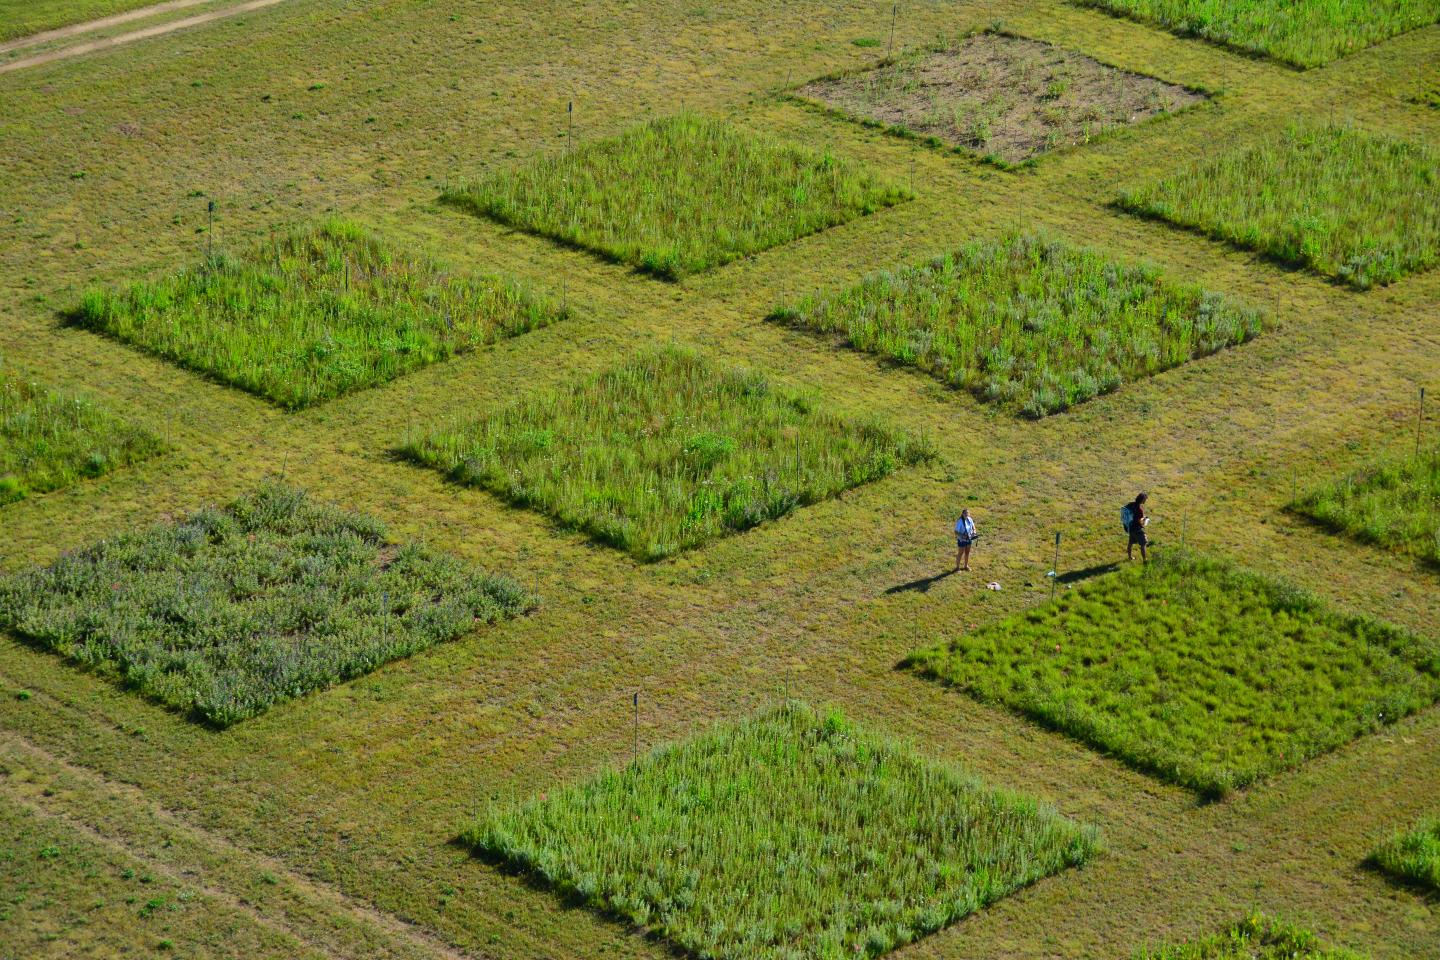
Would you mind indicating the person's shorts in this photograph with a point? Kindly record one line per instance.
(962, 543)
(1137, 536)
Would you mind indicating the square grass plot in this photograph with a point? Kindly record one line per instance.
(1360, 209)
(1257, 937)
(1003, 97)
(1195, 671)
(1393, 503)
(786, 836)
(1027, 322)
(680, 195)
(1413, 856)
(50, 440)
(315, 314)
(229, 611)
(666, 452)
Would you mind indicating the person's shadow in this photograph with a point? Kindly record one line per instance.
(922, 585)
(1075, 576)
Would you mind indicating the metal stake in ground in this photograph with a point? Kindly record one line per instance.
(570, 130)
(1419, 423)
(210, 231)
(1055, 570)
(894, 15)
(635, 750)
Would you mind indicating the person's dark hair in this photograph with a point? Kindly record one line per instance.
(1141, 497)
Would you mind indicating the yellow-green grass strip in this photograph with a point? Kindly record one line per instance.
(1195, 671)
(666, 452)
(1028, 322)
(1413, 855)
(1359, 208)
(316, 313)
(679, 195)
(1393, 503)
(1257, 937)
(227, 612)
(791, 834)
(1302, 34)
(21, 18)
(49, 440)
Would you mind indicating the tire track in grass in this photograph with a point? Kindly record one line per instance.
(90, 26)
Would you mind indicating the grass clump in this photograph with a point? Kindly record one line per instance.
(1257, 937)
(229, 611)
(679, 195)
(1358, 208)
(1392, 503)
(666, 452)
(1195, 671)
(50, 440)
(788, 835)
(314, 314)
(1413, 855)
(1028, 322)
(1303, 35)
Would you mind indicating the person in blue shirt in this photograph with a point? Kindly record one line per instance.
(965, 537)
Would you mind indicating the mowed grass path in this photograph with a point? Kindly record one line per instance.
(786, 836)
(229, 611)
(1394, 503)
(1254, 938)
(1028, 322)
(666, 452)
(1359, 208)
(679, 195)
(21, 18)
(316, 313)
(1195, 671)
(1413, 855)
(49, 440)
(1303, 34)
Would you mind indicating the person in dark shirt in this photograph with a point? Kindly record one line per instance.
(1138, 522)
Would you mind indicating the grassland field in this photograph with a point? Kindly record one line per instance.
(350, 797)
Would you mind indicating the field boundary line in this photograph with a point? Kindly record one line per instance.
(90, 26)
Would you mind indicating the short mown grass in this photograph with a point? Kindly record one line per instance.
(1393, 503)
(666, 452)
(315, 313)
(49, 440)
(1257, 937)
(789, 835)
(1195, 671)
(1359, 208)
(229, 611)
(1413, 855)
(21, 18)
(679, 195)
(1304, 34)
(1028, 322)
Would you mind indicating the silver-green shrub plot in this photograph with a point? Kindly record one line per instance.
(1394, 503)
(229, 611)
(1028, 322)
(50, 440)
(666, 452)
(791, 835)
(679, 195)
(1413, 855)
(315, 313)
(1257, 937)
(1303, 34)
(1195, 671)
(1361, 209)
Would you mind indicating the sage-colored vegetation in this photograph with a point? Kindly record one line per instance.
(1028, 322)
(230, 611)
(1359, 208)
(316, 313)
(789, 835)
(1413, 855)
(1195, 671)
(1393, 503)
(679, 195)
(666, 452)
(1257, 937)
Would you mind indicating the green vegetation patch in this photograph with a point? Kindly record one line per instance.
(1254, 938)
(1004, 97)
(666, 452)
(1393, 503)
(1359, 208)
(1413, 855)
(1304, 35)
(50, 440)
(230, 611)
(1195, 671)
(680, 195)
(21, 18)
(1028, 322)
(1428, 96)
(789, 835)
(315, 314)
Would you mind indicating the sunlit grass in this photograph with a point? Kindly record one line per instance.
(679, 195)
(786, 836)
(666, 452)
(316, 313)
(1393, 503)
(1256, 937)
(21, 18)
(1028, 322)
(1413, 855)
(1359, 208)
(1195, 671)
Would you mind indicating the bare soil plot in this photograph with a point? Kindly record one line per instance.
(1005, 97)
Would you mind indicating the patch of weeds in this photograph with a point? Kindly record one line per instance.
(1413, 855)
(1393, 503)
(1257, 937)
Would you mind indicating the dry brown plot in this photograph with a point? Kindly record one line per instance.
(1008, 98)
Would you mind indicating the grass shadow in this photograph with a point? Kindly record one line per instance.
(921, 585)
